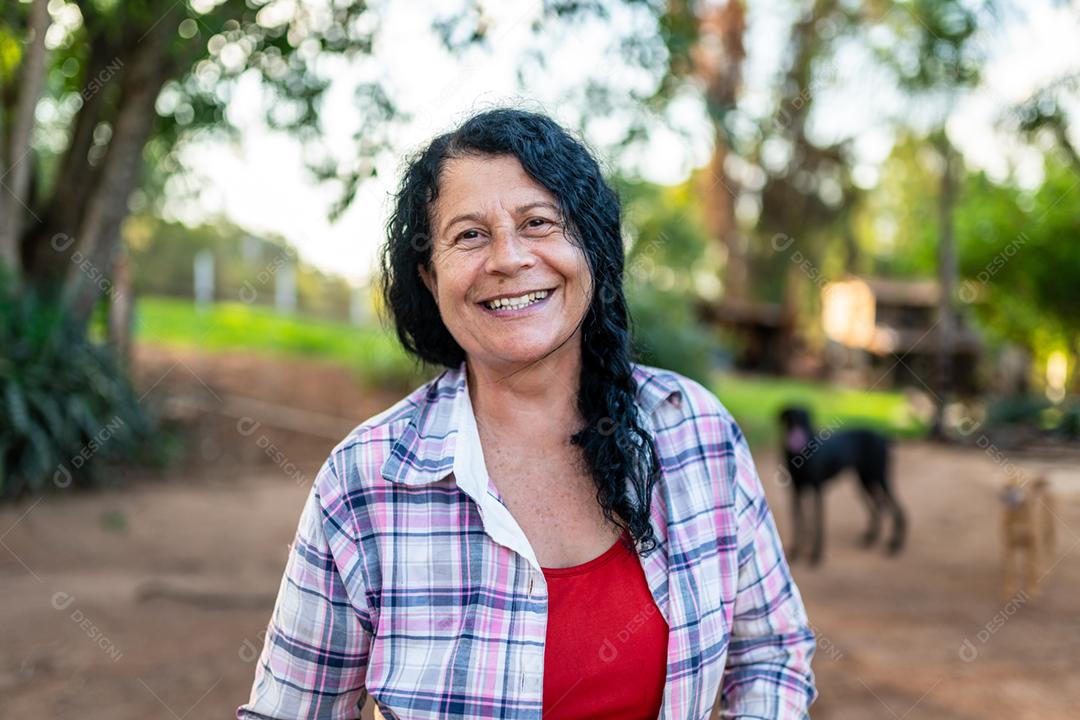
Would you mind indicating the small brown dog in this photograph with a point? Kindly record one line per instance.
(1028, 530)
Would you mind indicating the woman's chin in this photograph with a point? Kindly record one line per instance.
(519, 354)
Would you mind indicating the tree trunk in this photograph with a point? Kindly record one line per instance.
(76, 177)
(717, 60)
(1073, 383)
(719, 207)
(14, 187)
(1061, 133)
(947, 325)
(121, 308)
(8, 255)
(106, 207)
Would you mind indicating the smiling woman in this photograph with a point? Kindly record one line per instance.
(546, 529)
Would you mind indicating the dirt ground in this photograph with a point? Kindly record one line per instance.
(149, 600)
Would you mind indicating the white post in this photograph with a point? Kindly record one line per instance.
(285, 288)
(204, 277)
(250, 250)
(359, 308)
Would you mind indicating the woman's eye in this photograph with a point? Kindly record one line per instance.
(538, 226)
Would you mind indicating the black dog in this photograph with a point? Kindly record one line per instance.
(813, 460)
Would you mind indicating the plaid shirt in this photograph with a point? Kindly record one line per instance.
(410, 580)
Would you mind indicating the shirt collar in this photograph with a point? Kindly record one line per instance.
(425, 450)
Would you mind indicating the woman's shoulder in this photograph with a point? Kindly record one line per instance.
(702, 445)
(363, 451)
(659, 386)
(383, 425)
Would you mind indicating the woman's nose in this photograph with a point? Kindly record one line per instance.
(510, 253)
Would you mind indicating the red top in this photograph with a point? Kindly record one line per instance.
(606, 649)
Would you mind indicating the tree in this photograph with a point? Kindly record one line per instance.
(705, 44)
(130, 80)
(1019, 262)
(1044, 113)
(15, 144)
(941, 61)
(716, 59)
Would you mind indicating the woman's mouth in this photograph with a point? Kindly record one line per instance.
(524, 304)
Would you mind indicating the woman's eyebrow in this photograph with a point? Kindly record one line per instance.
(539, 203)
(477, 217)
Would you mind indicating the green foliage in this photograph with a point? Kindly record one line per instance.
(1018, 254)
(372, 353)
(896, 223)
(667, 227)
(1035, 411)
(10, 54)
(669, 242)
(668, 335)
(935, 41)
(65, 404)
(755, 402)
(199, 52)
(1020, 410)
(1069, 424)
(1018, 266)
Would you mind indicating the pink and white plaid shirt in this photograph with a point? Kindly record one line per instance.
(410, 581)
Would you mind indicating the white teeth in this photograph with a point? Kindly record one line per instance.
(516, 303)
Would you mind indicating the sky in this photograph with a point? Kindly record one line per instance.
(260, 183)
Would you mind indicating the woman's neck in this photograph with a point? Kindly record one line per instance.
(538, 395)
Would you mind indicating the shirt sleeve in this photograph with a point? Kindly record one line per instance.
(315, 653)
(768, 673)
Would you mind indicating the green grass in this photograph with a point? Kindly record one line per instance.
(370, 351)
(377, 358)
(756, 402)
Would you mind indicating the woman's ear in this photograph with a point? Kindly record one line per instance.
(428, 276)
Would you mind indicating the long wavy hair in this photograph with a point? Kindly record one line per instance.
(615, 445)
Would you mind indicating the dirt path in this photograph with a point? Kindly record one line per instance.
(150, 601)
(926, 634)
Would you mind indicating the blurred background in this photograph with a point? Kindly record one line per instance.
(867, 207)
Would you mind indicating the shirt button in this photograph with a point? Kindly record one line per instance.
(535, 579)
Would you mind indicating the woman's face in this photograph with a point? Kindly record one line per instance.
(509, 284)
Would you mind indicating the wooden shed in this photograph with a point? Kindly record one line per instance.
(887, 331)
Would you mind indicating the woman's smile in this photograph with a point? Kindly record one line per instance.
(510, 307)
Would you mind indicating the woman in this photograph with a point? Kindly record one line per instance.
(546, 528)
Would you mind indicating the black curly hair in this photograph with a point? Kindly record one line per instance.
(615, 445)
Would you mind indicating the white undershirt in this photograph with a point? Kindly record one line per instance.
(471, 474)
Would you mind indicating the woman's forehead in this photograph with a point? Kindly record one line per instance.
(474, 183)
